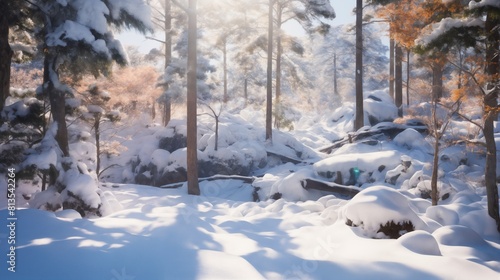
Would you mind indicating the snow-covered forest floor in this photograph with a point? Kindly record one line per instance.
(270, 223)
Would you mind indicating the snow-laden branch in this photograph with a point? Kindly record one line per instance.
(438, 29)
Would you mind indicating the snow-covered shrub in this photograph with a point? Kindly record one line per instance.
(381, 212)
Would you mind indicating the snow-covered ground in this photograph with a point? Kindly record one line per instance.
(163, 233)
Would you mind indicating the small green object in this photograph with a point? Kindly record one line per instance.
(356, 173)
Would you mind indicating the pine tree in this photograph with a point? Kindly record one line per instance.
(13, 13)
(78, 38)
(480, 22)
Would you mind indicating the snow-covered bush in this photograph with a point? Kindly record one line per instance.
(381, 212)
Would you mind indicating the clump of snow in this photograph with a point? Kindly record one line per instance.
(420, 242)
(483, 3)
(83, 186)
(438, 29)
(160, 158)
(291, 187)
(68, 214)
(412, 139)
(375, 206)
(379, 106)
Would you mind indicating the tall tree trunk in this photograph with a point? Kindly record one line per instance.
(435, 159)
(57, 102)
(491, 114)
(6, 57)
(408, 77)
(167, 111)
(359, 122)
(335, 85)
(269, 98)
(245, 90)
(97, 132)
(224, 53)
(192, 149)
(437, 81)
(398, 100)
(279, 52)
(391, 69)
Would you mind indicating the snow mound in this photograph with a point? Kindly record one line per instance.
(291, 187)
(412, 139)
(420, 242)
(376, 206)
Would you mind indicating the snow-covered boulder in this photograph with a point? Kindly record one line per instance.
(357, 168)
(412, 139)
(379, 107)
(381, 212)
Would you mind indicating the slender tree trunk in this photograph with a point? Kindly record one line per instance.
(408, 77)
(435, 159)
(245, 90)
(491, 114)
(224, 53)
(335, 85)
(398, 100)
(437, 81)
(391, 69)
(216, 131)
(359, 122)
(97, 132)
(269, 99)
(57, 102)
(279, 52)
(167, 111)
(192, 149)
(6, 57)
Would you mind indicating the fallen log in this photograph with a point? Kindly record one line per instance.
(284, 158)
(344, 191)
(244, 179)
(389, 130)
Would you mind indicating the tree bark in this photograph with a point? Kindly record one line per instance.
(192, 149)
(245, 90)
(335, 85)
(97, 132)
(491, 114)
(224, 53)
(437, 81)
(167, 111)
(269, 98)
(408, 77)
(6, 57)
(435, 159)
(398, 100)
(57, 102)
(359, 121)
(391, 69)
(279, 51)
